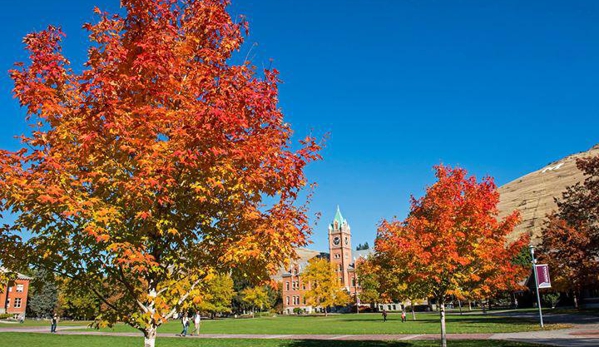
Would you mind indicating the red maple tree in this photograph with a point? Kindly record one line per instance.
(452, 241)
(158, 165)
(570, 236)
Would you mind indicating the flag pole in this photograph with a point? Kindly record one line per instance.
(534, 271)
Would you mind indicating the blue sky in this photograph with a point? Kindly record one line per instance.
(499, 87)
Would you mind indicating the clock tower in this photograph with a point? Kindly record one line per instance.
(340, 247)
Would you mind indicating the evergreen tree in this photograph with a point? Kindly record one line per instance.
(43, 294)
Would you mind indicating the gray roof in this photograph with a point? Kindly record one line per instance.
(20, 276)
(362, 253)
(303, 257)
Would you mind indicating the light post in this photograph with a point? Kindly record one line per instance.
(534, 271)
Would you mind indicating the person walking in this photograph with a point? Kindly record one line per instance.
(196, 323)
(384, 315)
(54, 323)
(403, 316)
(185, 323)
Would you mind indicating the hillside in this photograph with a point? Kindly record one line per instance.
(533, 194)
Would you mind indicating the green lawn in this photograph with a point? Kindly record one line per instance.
(354, 324)
(47, 340)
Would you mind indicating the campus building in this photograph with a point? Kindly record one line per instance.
(340, 254)
(13, 295)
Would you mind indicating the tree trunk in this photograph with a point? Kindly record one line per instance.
(150, 336)
(469, 305)
(575, 301)
(413, 313)
(443, 332)
(412, 306)
(460, 304)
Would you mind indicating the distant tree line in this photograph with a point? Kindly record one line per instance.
(221, 294)
(362, 247)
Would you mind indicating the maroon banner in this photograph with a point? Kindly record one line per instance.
(543, 276)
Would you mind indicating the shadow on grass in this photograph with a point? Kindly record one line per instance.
(329, 343)
(451, 320)
(430, 343)
(510, 321)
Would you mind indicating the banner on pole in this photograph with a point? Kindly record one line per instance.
(543, 276)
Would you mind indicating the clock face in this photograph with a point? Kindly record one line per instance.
(336, 241)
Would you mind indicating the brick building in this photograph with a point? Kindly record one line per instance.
(340, 254)
(13, 295)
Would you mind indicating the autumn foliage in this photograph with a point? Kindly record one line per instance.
(452, 241)
(570, 239)
(324, 287)
(149, 169)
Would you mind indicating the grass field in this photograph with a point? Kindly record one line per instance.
(47, 340)
(353, 324)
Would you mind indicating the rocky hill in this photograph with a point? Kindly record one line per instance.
(534, 194)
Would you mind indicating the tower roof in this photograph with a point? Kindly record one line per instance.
(338, 217)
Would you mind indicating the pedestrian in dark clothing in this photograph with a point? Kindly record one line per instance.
(384, 315)
(54, 323)
(185, 323)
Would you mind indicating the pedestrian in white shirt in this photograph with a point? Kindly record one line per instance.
(196, 323)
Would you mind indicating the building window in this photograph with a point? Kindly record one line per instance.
(17, 303)
(353, 282)
(19, 288)
(287, 285)
(394, 308)
(10, 289)
(287, 300)
(7, 302)
(304, 286)
(304, 300)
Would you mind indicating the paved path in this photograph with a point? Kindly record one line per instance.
(584, 333)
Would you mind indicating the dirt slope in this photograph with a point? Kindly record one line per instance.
(533, 194)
